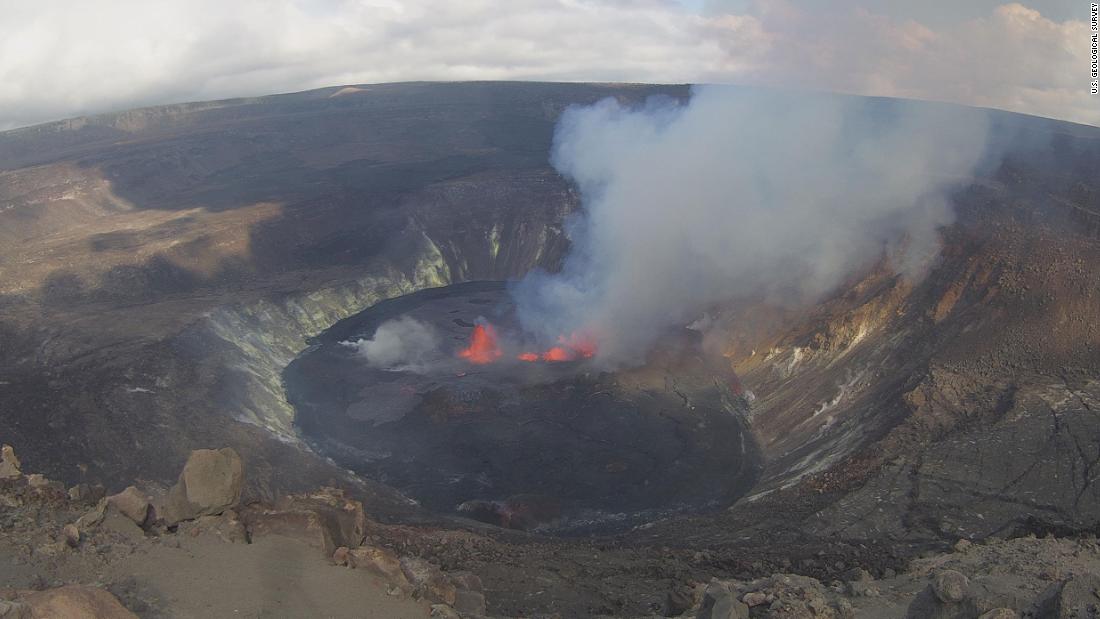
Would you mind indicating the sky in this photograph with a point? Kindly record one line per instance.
(66, 58)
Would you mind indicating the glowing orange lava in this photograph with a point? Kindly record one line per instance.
(576, 346)
(483, 346)
(581, 344)
(557, 353)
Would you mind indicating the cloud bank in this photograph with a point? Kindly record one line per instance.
(61, 58)
(737, 193)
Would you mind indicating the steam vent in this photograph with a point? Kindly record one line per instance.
(528, 440)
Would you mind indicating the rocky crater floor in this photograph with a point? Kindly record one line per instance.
(554, 446)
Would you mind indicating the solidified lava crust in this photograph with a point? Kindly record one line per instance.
(560, 447)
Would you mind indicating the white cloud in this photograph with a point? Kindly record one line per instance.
(62, 58)
(1013, 58)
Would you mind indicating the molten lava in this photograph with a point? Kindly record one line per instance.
(571, 348)
(483, 346)
(557, 353)
(581, 344)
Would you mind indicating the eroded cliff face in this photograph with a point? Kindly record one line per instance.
(256, 341)
(956, 405)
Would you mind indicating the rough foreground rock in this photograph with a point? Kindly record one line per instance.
(209, 484)
(9, 464)
(76, 602)
(719, 602)
(1039, 578)
(1077, 597)
(325, 519)
(131, 503)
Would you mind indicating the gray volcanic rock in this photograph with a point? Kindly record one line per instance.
(325, 519)
(381, 562)
(9, 464)
(209, 484)
(77, 601)
(131, 503)
(721, 603)
(1075, 598)
(14, 610)
(990, 479)
(950, 586)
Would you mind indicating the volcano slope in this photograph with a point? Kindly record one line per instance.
(161, 268)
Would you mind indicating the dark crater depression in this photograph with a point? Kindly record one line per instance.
(553, 446)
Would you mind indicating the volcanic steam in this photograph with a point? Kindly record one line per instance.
(736, 194)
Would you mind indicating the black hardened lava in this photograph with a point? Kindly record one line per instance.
(557, 446)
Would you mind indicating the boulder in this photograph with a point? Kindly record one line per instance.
(792, 595)
(1078, 596)
(80, 493)
(9, 464)
(326, 520)
(860, 583)
(76, 602)
(442, 611)
(92, 517)
(719, 602)
(951, 595)
(992, 592)
(754, 598)
(857, 574)
(72, 535)
(429, 580)
(381, 562)
(927, 605)
(131, 503)
(950, 586)
(37, 480)
(209, 484)
(681, 598)
(469, 603)
(227, 527)
(14, 610)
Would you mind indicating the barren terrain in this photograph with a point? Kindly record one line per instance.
(161, 268)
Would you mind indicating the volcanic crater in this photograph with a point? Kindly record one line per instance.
(893, 416)
(554, 443)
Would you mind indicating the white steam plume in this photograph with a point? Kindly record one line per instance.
(735, 194)
(401, 344)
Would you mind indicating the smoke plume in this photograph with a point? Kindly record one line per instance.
(401, 344)
(737, 193)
